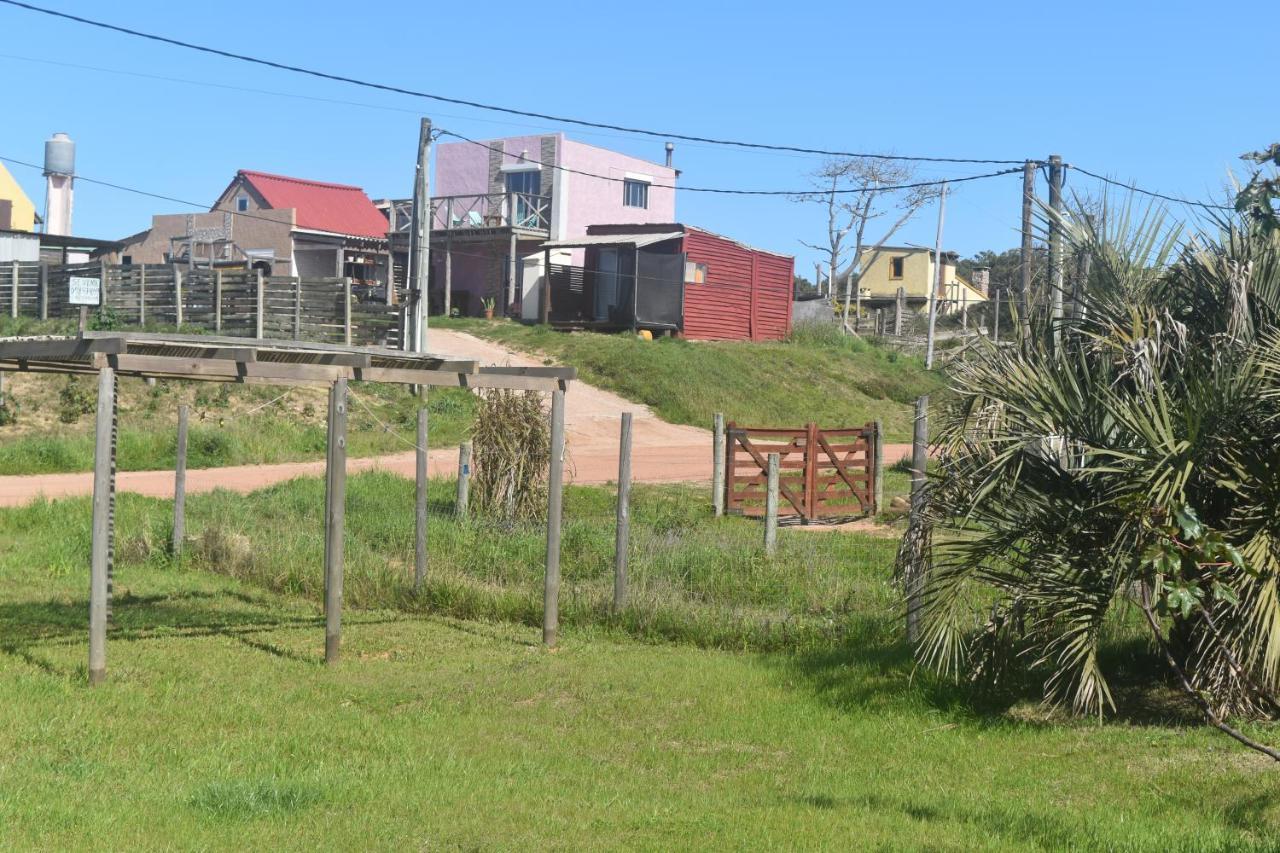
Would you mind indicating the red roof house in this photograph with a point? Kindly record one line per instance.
(320, 206)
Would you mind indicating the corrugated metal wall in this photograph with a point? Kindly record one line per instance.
(747, 294)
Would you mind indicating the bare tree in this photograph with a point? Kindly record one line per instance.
(856, 191)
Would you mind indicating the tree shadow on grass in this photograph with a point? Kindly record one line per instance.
(872, 667)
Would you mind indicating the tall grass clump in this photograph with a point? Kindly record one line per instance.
(511, 446)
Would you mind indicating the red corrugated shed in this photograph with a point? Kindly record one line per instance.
(747, 293)
(336, 208)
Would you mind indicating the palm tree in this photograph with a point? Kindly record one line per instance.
(1130, 471)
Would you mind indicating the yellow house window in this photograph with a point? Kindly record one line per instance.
(896, 266)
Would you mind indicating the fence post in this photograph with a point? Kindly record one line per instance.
(346, 310)
(44, 290)
(623, 538)
(464, 478)
(180, 486)
(717, 463)
(13, 302)
(261, 306)
(420, 505)
(877, 473)
(297, 309)
(811, 450)
(555, 498)
(914, 581)
(217, 300)
(771, 508)
(177, 296)
(104, 465)
(898, 305)
(335, 520)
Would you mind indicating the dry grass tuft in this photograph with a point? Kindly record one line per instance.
(511, 446)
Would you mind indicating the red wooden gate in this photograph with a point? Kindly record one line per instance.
(822, 474)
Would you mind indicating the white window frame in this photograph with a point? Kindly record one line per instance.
(628, 184)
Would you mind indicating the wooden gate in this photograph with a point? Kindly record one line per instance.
(822, 474)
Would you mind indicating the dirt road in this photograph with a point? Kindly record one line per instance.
(661, 452)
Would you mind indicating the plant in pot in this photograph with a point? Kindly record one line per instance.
(489, 304)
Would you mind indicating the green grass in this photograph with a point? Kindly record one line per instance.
(220, 728)
(816, 376)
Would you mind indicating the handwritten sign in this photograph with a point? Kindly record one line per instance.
(84, 291)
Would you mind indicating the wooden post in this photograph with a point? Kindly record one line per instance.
(1056, 173)
(771, 507)
(899, 305)
(104, 465)
(261, 306)
(335, 519)
(420, 505)
(420, 244)
(623, 537)
(13, 302)
(142, 291)
(811, 451)
(464, 478)
(180, 486)
(1025, 254)
(177, 296)
(512, 265)
(555, 498)
(217, 300)
(995, 320)
(448, 267)
(297, 309)
(919, 464)
(877, 471)
(44, 290)
(346, 310)
(717, 464)
(938, 288)
(544, 303)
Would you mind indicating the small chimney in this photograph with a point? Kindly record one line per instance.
(982, 280)
(671, 147)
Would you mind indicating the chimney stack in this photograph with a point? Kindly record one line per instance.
(671, 147)
(982, 280)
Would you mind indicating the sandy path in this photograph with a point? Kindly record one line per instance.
(661, 452)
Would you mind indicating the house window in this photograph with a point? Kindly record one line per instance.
(242, 204)
(528, 181)
(896, 266)
(695, 273)
(635, 193)
(127, 260)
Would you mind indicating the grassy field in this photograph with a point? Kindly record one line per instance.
(219, 727)
(818, 375)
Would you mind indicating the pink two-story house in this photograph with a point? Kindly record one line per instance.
(494, 203)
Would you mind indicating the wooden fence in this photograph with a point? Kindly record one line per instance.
(822, 473)
(233, 302)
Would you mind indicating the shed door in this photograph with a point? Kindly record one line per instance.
(606, 282)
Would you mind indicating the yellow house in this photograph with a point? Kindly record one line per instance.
(17, 213)
(911, 268)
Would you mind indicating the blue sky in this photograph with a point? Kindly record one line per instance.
(1165, 95)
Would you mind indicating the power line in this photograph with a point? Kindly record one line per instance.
(728, 191)
(1152, 193)
(483, 106)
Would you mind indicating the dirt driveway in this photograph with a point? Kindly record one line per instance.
(661, 452)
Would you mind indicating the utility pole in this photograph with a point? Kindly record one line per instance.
(1055, 245)
(419, 243)
(1028, 194)
(939, 282)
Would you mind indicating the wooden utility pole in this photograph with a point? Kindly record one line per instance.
(419, 243)
(1055, 245)
(995, 320)
(1024, 298)
(940, 280)
(623, 538)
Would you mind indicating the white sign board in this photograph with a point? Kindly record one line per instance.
(84, 291)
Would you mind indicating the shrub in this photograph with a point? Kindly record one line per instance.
(74, 401)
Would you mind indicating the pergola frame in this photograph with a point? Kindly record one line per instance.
(110, 355)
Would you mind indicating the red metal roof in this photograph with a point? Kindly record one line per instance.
(337, 208)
